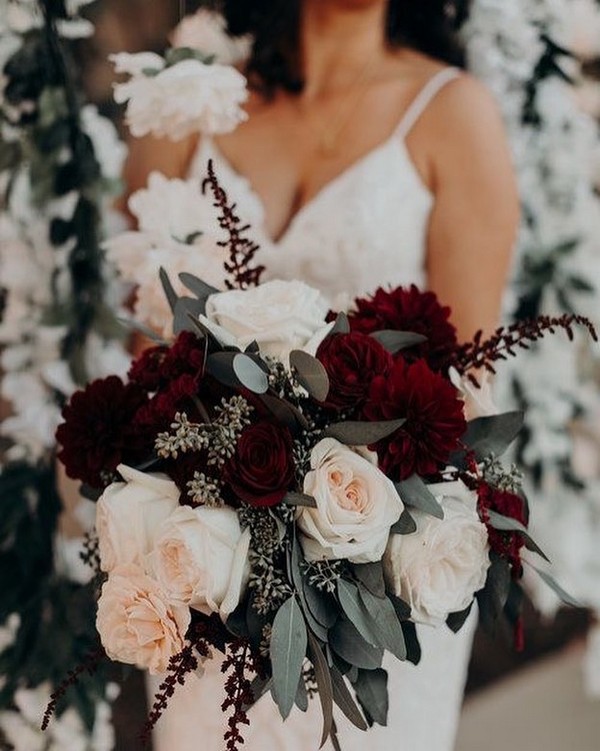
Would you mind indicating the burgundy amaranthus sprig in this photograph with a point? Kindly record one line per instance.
(89, 666)
(240, 661)
(181, 666)
(241, 249)
(482, 353)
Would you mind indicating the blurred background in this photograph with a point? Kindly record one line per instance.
(550, 691)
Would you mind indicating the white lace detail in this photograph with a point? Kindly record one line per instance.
(364, 229)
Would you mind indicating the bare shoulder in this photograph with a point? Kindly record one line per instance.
(466, 100)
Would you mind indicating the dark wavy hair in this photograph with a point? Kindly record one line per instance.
(429, 26)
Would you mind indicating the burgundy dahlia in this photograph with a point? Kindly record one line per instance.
(352, 361)
(409, 309)
(434, 415)
(157, 367)
(98, 432)
(262, 468)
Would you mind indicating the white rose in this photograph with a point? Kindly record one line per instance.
(128, 515)
(356, 506)
(438, 569)
(137, 623)
(206, 31)
(201, 559)
(478, 401)
(279, 315)
(181, 99)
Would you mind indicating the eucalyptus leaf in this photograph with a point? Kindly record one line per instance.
(403, 609)
(186, 308)
(325, 688)
(395, 341)
(413, 647)
(310, 373)
(353, 607)
(259, 688)
(492, 598)
(455, 621)
(416, 494)
(385, 621)
(353, 433)
(294, 562)
(370, 575)
(249, 374)
(341, 325)
(345, 701)
(493, 435)
(201, 289)
(284, 412)
(405, 525)
(506, 524)
(129, 323)
(299, 499)
(288, 650)
(564, 596)
(350, 646)
(169, 291)
(371, 688)
(321, 605)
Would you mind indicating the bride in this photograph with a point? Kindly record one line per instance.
(367, 159)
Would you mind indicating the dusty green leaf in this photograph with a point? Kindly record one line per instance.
(395, 341)
(385, 622)
(299, 499)
(288, 650)
(456, 621)
(564, 596)
(345, 701)
(405, 525)
(350, 646)
(493, 435)
(310, 373)
(201, 289)
(353, 433)
(169, 291)
(370, 575)
(325, 689)
(506, 524)
(372, 693)
(353, 607)
(416, 494)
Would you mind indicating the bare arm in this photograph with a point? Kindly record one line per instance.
(475, 219)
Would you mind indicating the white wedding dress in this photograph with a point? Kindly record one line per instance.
(364, 229)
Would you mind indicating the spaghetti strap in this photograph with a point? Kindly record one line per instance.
(423, 98)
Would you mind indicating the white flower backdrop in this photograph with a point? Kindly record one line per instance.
(518, 48)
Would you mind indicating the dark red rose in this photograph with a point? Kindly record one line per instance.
(98, 431)
(434, 415)
(352, 361)
(262, 468)
(506, 544)
(409, 309)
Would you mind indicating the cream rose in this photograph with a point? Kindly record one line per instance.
(137, 623)
(279, 315)
(128, 515)
(356, 506)
(438, 569)
(201, 559)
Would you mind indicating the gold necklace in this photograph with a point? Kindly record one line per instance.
(331, 131)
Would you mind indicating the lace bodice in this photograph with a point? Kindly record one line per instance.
(365, 229)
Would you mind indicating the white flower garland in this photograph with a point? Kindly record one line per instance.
(510, 46)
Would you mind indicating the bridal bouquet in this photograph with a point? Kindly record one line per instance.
(297, 488)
